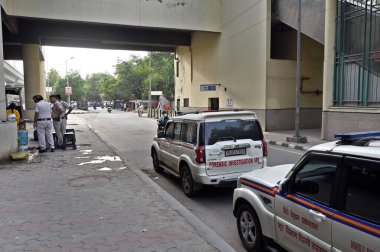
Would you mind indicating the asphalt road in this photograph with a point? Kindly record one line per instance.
(132, 136)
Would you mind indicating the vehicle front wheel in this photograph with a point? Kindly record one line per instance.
(156, 162)
(187, 182)
(249, 228)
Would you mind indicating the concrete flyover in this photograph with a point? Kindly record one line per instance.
(148, 25)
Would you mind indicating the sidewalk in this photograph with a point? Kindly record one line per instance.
(279, 138)
(87, 200)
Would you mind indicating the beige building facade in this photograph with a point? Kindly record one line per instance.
(250, 64)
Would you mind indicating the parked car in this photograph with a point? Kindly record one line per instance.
(328, 201)
(210, 148)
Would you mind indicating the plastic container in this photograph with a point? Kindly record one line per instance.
(19, 155)
(22, 137)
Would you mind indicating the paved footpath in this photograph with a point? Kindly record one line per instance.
(87, 200)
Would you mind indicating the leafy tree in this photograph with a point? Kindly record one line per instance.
(92, 86)
(108, 87)
(76, 83)
(53, 77)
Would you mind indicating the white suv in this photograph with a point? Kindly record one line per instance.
(212, 148)
(328, 201)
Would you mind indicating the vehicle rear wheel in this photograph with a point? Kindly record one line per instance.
(156, 162)
(249, 228)
(187, 182)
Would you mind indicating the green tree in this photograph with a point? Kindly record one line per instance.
(92, 86)
(76, 83)
(53, 78)
(108, 87)
(162, 74)
(134, 76)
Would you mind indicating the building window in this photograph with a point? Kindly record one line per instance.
(178, 104)
(357, 59)
(177, 68)
(186, 102)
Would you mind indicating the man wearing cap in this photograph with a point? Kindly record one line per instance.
(42, 122)
(58, 114)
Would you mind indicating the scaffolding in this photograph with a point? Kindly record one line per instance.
(357, 59)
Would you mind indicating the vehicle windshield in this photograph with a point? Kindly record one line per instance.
(230, 129)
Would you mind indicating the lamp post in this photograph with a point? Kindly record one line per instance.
(67, 80)
(297, 137)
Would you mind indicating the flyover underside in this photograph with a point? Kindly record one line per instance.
(22, 30)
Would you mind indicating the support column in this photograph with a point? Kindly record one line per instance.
(8, 130)
(3, 105)
(328, 68)
(34, 76)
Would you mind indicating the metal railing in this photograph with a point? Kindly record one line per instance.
(357, 61)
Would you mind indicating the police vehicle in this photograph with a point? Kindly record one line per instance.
(211, 148)
(328, 201)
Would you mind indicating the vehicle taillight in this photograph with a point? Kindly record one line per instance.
(265, 148)
(200, 157)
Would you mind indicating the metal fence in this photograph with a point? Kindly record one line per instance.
(357, 61)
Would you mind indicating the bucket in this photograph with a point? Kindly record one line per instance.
(22, 137)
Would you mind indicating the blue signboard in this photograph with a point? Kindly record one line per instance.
(208, 88)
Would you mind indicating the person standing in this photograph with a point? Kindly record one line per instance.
(57, 113)
(12, 110)
(42, 122)
(65, 107)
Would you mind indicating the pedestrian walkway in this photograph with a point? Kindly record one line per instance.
(87, 200)
(279, 138)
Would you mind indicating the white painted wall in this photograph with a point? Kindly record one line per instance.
(177, 14)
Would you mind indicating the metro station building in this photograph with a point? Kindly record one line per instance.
(228, 54)
(249, 63)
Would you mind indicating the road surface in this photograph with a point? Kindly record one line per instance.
(132, 137)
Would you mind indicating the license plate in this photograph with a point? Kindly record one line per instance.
(235, 152)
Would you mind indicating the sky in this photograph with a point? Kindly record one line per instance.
(86, 61)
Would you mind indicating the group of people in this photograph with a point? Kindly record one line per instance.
(48, 115)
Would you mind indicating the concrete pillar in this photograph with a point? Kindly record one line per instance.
(3, 116)
(34, 76)
(329, 55)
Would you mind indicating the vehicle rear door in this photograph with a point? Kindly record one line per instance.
(176, 147)
(165, 143)
(303, 213)
(232, 144)
(356, 225)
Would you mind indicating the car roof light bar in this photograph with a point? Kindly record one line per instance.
(357, 135)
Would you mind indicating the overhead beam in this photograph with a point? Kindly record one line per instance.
(95, 35)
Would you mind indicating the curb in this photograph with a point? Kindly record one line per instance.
(210, 236)
(289, 145)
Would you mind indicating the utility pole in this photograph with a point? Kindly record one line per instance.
(297, 137)
(150, 83)
(67, 80)
(298, 76)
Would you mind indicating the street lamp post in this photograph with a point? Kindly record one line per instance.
(297, 137)
(67, 80)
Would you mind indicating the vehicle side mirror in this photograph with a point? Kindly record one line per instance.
(160, 134)
(283, 186)
(308, 187)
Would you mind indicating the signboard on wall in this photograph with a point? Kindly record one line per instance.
(230, 103)
(205, 88)
(68, 91)
(156, 93)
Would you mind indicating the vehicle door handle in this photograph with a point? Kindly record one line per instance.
(317, 215)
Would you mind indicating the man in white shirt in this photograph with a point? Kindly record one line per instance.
(43, 124)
